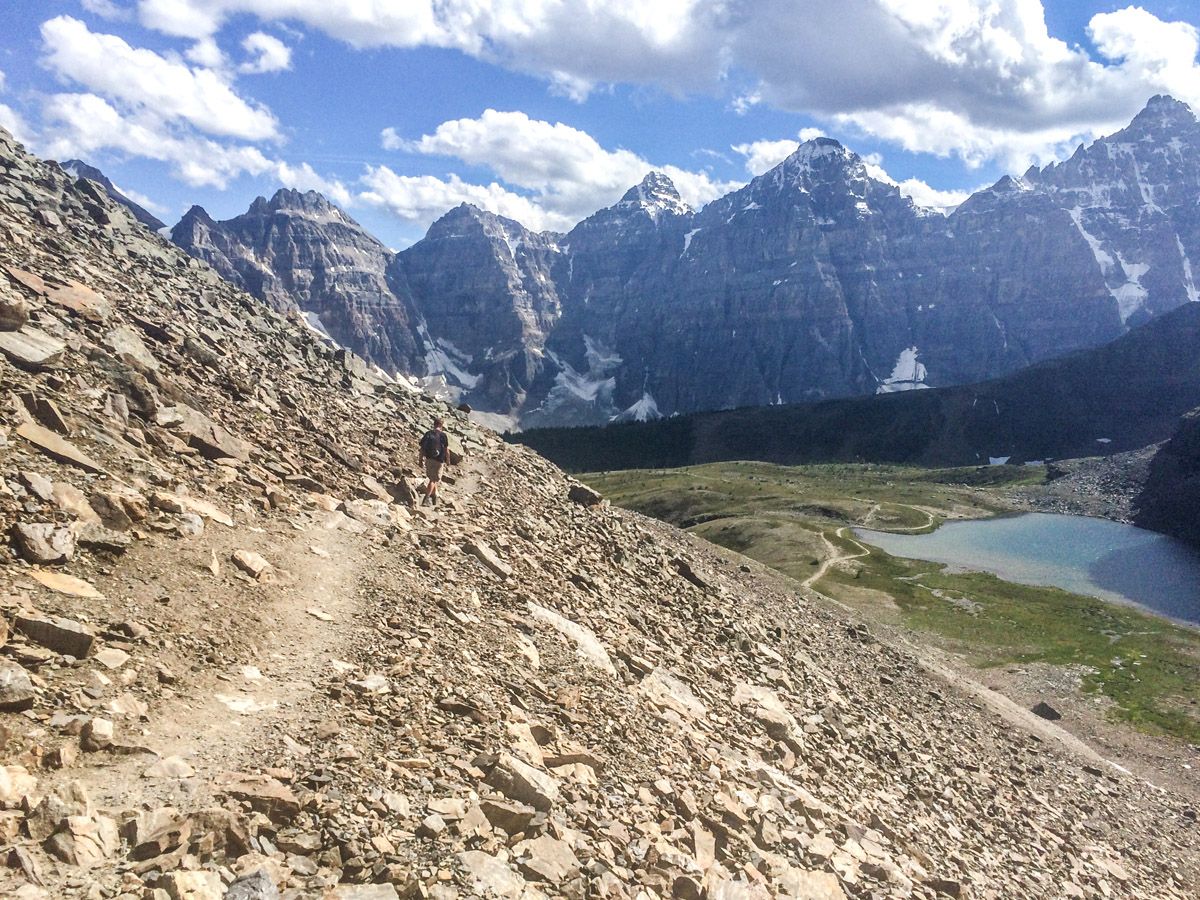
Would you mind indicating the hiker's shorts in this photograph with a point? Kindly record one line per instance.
(433, 470)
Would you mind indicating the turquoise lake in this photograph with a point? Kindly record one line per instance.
(1095, 557)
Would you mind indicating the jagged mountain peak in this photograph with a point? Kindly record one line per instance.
(816, 153)
(194, 214)
(656, 193)
(1165, 108)
(294, 202)
(468, 215)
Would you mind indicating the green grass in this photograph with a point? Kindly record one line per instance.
(1148, 667)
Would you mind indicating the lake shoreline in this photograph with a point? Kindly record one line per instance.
(1090, 558)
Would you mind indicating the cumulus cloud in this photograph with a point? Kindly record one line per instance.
(83, 125)
(931, 198)
(977, 79)
(142, 80)
(206, 52)
(422, 198)
(11, 120)
(143, 201)
(762, 156)
(565, 171)
(303, 177)
(268, 54)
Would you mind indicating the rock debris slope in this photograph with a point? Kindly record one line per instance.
(237, 663)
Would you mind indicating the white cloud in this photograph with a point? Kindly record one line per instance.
(978, 79)
(567, 172)
(811, 134)
(269, 54)
(15, 124)
(926, 128)
(304, 178)
(81, 125)
(142, 80)
(142, 200)
(422, 198)
(743, 103)
(931, 198)
(205, 52)
(762, 156)
(11, 120)
(105, 9)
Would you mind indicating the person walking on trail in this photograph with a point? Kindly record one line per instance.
(434, 453)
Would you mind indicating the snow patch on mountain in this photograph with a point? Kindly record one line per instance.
(313, 321)
(645, 410)
(1131, 296)
(656, 196)
(908, 374)
(1189, 282)
(447, 368)
(600, 357)
(1104, 260)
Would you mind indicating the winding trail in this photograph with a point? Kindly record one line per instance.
(874, 511)
(834, 557)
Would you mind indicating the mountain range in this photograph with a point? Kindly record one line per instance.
(816, 280)
(1121, 396)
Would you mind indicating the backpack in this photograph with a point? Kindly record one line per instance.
(431, 445)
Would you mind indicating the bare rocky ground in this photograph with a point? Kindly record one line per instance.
(1101, 486)
(237, 663)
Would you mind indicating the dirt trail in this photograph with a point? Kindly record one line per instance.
(833, 559)
(215, 718)
(312, 618)
(876, 507)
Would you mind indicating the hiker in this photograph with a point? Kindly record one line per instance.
(434, 453)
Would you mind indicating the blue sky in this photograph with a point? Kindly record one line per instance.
(546, 110)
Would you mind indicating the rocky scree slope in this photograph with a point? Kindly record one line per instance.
(237, 664)
(815, 280)
(80, 169)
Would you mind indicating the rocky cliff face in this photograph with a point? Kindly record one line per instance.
(816, 280)
(297, 251)
(238, 663)
(1169, 501)
(80, 169)
(484, 286)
